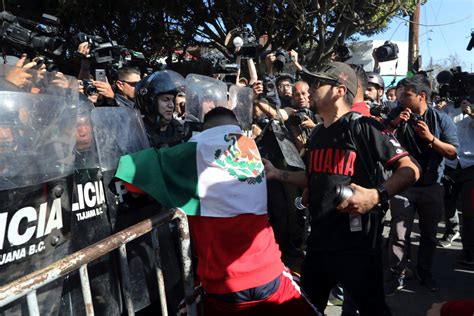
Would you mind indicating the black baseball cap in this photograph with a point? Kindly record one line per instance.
(336, 72)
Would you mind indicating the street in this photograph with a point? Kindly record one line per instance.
(455, 280)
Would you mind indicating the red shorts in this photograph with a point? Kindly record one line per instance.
(288, 299)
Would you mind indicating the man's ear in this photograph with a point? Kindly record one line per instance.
(341, 91)
(424, 95)
(119, 85)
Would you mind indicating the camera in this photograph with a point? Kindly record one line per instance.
(414, 119)
(343, 52)
(89, 88)
(100, 50)
(281, 58)
(223, 66)
(299, 116)
(379, 110)
(246, 43)
(227, 71)
(455, 85)
(388, 51)
(37, 36)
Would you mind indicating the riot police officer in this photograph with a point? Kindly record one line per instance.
(155, 96)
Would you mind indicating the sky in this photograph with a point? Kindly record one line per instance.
(445, 29)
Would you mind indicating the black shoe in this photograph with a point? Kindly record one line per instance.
(467, 259)
(448, 240)
(395, 283)
(428, 282)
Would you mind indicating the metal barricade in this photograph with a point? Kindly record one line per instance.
(27, 285)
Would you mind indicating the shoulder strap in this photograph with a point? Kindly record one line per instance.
(361, 144)
(359, 141)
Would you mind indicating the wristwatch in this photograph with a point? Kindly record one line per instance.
(383, 194)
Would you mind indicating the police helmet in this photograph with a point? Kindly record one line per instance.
(375, 78)
(150, 87)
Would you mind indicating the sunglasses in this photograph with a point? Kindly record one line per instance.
(130, 83)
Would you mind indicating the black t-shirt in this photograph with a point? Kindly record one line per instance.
(334, 159)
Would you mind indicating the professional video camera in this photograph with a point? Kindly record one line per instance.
(281, 58)
(101, 50)
(245, 42)
(29, 35)
(388, 51)
(132, 58)
(455, 85)
(226, 70)
(343, 52)
(297, 118)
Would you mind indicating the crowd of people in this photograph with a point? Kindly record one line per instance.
(336, 140)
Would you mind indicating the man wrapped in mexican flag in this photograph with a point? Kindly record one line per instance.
(218, 179)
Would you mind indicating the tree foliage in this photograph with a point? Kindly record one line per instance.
(312, 27)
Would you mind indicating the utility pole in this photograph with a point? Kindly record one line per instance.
(413, 37)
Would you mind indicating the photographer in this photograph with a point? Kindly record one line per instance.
(268, 105)
(461, 174)
(302, 120)
(429, 136)
(282, 56)
(19, 76)
(374, 94)
(127, 79)
(98, 92)
(284, 84)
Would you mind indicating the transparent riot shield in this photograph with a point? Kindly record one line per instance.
(37, 124)
(285, 143)
(119, 131)
(89, 224)
(241, 102)
(202, 95)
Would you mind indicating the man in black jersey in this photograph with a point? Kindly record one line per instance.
(338, 155)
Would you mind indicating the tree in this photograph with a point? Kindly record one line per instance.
(312, 27)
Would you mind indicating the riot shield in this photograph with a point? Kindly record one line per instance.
(119, 131)
(37, 123)
(90, 224)
(288, 149)
(241, 102)
(202, 95)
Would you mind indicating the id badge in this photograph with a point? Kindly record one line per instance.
(355, 223)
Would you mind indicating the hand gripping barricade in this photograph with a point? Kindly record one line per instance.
(119, 131)
(90, 223)
(37, 119)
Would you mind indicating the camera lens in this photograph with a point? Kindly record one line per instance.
(270, 86)
(343, 192)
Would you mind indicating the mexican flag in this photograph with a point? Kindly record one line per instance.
(217, 173)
